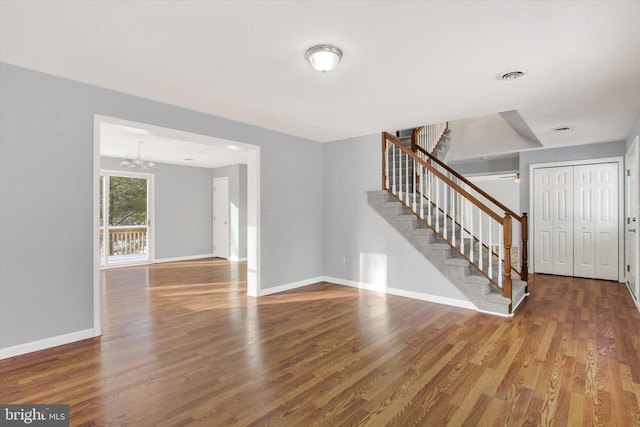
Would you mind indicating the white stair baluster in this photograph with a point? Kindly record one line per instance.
(500, 257)
(430, 198)
(386, 168)
(393, 163)
(406, 180)
(400, 174)
(422, 191)
(490, 241)
(445, 210)
(461, 207)
(414, 173)
(453, 217)
(436, 208)
(471, 237)
(480, 239)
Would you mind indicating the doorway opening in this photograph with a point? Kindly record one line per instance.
(221, 217)
(249, 153)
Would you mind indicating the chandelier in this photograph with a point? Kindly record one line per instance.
(138, 162)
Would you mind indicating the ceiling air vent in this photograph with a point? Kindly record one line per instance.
(561, 128)
(511, 75)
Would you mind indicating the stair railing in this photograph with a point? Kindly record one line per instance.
(453, 209)
(428, 137)
(521, 221)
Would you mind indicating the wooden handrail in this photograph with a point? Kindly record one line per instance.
(445, 179)
(475, 187)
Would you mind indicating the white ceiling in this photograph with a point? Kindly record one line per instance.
(405, 63)
(118, 140)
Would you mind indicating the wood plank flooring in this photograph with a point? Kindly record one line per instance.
(184, 345)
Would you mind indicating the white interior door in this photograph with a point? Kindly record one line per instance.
(596, 221)
(606, 221)
(554, 220)
(221, 217)
(632, 246)
(585, 225)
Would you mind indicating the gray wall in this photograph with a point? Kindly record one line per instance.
(354, 230)
(579, 152)
(237, 175)
(46, 210)
(183, 219)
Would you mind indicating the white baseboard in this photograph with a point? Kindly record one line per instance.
(290, 286)
(403, 293)
(237, 259)
(29, 347)
(182, 258)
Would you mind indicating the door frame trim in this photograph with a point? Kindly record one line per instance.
(226, 180)
(634, 145)
(620, 161)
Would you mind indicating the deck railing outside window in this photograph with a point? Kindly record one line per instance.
(126, 239)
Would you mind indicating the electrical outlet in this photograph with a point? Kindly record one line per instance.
(374, 264)
(344, 259)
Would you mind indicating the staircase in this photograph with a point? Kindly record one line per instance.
(462, 230)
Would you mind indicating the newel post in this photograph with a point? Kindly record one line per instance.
(506, 285)
(524, 272)
(384, 163)
(414, 140)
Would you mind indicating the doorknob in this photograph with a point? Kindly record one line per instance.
(633, 230)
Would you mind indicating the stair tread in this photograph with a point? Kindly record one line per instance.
(478, 279)
(495, 296)
(406, 217)
(422, 230)
(457, 261)
(439, 246)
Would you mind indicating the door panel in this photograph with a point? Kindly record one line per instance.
(562, 216)
(585, 226)
(221, 217)
(554, 221)
(544, 222)
(606, 221)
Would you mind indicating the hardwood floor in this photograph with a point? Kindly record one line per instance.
(184, 345)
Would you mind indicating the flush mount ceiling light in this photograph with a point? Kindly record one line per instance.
(323, 57)
(138, 162)
(512, 74)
